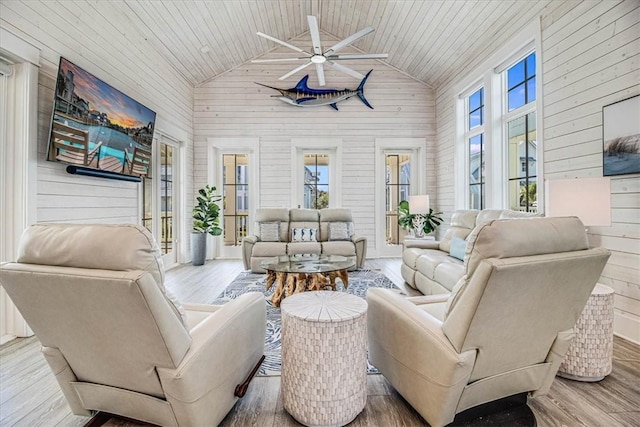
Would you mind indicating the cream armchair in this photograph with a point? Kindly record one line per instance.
(504, 329)
(116, 341)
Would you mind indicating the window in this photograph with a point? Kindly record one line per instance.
(316, 181)
(523, 194)
(397, 189)
(235, 177)
(520, 121)
(166, 198)
(474, 137)
(521, 83)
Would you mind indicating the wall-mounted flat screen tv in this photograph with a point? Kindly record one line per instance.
(95, 126)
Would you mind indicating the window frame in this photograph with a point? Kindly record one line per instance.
(470, 133)
(329, 146)
(491, 74)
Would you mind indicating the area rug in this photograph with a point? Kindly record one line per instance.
(359, 282)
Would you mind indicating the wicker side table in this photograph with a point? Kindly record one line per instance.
(324, 357)
(590, 355)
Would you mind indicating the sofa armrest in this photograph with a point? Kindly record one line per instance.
(224, 349)
(428, 299)
(247, 249)
(410, 349)
(361, 250)
(422, 244)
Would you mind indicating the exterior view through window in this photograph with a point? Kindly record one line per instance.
(397, 189)
(316, 181)
(236, 197)
(521, 131)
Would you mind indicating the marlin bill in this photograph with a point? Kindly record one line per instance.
(304, 96)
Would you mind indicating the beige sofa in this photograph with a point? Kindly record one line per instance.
(505, 328)
(113, 336)
(428, 266)
(277, 231)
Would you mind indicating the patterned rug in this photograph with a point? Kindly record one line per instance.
(359, 282)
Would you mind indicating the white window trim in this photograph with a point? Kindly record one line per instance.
(330, 146)
(18, 155)
(489, 74)
(216, 148)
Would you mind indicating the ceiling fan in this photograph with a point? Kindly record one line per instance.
(320, 57)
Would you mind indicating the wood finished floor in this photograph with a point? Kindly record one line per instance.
(30, 396)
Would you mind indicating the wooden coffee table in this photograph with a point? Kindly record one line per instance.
(293, 274)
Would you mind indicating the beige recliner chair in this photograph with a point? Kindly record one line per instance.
(505, 328)
(116, 341)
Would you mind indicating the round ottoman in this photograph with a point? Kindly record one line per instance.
(590, 354)
(324, 357)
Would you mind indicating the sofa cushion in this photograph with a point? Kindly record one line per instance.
(410, 256)
(431, 259)
(304, 234)
(296, 248)
(267, 249)
(330, 215)
(543, 236)
(340, 230)
(447, 274)
(269, 231)
(462, 222)
(458, 248)
(343, 248)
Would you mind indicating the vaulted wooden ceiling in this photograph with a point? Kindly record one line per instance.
(425, 39)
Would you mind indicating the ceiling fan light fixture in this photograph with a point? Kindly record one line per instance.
(318, 59)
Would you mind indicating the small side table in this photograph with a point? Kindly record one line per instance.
(590, 355)
(324, 357)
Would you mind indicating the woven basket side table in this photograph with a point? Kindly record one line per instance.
(324, 357)
(590, 355)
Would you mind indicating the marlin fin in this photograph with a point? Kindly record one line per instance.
(302, 84)
(334, 106)
(301, 100)
(361, 91)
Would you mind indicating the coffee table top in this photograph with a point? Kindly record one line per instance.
(307, 263)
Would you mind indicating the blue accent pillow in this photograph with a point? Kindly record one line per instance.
(458, 248)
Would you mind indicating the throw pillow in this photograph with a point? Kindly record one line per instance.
(304, 235)
(340, 231)
(458, 248)
(269, 232)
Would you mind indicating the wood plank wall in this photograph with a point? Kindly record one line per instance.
(590, 59)
(231, 105)
(83, 33)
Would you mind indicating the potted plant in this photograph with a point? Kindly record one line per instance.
(206, 220)
(407, 220)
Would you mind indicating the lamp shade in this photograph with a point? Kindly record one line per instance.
(587, 198)
(419, 204)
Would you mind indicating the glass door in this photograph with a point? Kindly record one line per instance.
(159, 196)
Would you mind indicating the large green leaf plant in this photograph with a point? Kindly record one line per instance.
(206, 213)
(405, 218)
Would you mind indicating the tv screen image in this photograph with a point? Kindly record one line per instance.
(96, 126)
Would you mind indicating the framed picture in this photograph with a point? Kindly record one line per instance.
(621, 137)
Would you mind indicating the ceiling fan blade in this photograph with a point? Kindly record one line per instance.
(295, 70)
(320, 71)
(280, 59)
(315, 34)
(349, 40)
(358, 56)
(285, 44)
(345, 70)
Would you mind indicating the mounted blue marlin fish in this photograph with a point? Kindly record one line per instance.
(304, 96)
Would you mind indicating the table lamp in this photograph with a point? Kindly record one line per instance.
(587, 198)
(419, 208)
